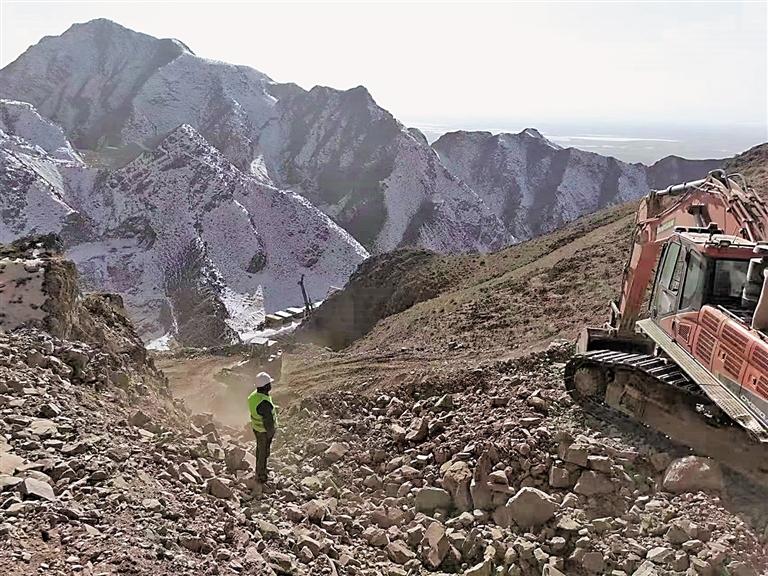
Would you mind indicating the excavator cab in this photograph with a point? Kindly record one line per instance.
(697, 269)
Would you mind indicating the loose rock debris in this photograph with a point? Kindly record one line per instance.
(490, 474)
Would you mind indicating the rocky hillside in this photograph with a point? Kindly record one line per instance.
(116, 91)
(535, 186)
(466, 307)
(487, 471)
(382, 286)
(510, 302)
(482, 470)
(753, 164)
(152, 231)
(468, 465)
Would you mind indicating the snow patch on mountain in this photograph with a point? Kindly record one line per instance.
(195, 246)
(22, 120)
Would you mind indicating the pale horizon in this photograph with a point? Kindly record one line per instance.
(601, 68)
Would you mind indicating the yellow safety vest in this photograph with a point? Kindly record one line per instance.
(257, 422)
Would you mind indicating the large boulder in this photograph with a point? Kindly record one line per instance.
(42, 427)
(559, 477)
(335, 452)
(316, 510)
(457, 479)
(647, 568)
(480, 487)
(418, 430)
(9, 462)
(220, 488)
(399, 552)
(430, 499)
(693, 473)
(435, 545)
(32, 488)
(592, 483)
(484, 568)
(531, 507)
(235, 459)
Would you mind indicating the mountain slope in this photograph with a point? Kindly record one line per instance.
(495, 305)
(23, 120)
(469, 307)
(674, 170)
(535, 186)
(379, 180)
(195, 246)
(112, 87)
(87, 78)
(753, 165)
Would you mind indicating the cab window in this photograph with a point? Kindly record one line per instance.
(670, 265)
(695, 279)
(730, 276)
(669, 280)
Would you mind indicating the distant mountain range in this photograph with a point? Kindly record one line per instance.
(202, 190)
(535, 186)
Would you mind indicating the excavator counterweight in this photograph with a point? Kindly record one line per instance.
(685, 349)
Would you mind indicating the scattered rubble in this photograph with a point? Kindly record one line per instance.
(489, 471)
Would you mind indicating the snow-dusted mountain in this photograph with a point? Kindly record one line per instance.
(117, 92)
(535, 186)
(379, 180)
(108, 86)
(166, 174)
(195, 246)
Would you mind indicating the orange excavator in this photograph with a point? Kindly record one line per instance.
(689, 357)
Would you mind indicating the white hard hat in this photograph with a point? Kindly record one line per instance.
(262, 379)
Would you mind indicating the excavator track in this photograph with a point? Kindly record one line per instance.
(655, 392)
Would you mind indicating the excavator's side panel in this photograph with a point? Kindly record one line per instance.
(706, 338)
(741, 363)
(733, 346)
(755, 390)
(685, 328)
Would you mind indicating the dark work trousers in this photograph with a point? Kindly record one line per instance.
(263, 446)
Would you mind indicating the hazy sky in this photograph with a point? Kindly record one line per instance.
(687, 63)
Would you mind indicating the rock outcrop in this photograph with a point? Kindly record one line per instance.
(381, 286)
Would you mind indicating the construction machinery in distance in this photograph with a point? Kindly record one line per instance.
(693, 363)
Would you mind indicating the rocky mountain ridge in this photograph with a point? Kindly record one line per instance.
(536, 186)
(152, 231)
(116, 92)
(110, 87)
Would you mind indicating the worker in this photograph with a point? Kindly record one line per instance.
(264, 423)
